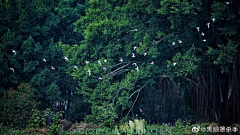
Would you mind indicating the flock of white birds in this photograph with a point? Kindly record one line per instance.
(121, 59)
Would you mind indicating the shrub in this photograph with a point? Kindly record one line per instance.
(16, 106)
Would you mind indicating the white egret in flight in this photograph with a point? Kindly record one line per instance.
(13, 51)
(121, 60)
(75, 67)
(99, 62)
(135, 64)
(104, 68)
(44, 60)
(89, 72)
(208, 25)
(135, 30)
(137, 68)
(53, 68)
(140, 110)
(133, 55)
(198, 28)
(179, 41)
(65, 58)
(12, 69)
(204, 40)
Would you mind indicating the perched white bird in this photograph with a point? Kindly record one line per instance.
(100, 78)
(53, 68)
(179, 41)
(86, 62)
(121, 60)
(65, 58)
(44, 60)
(213, 19)
(13, 51)
(144, 54)
(228, 2)
(99, 62)
(174, 63)
(89, 72)
(202, 34)
(104, 68)
(173, 43)
(12, 69)
(152, 63)
(204, 40)
(133, 55)
(75, 67)
(105, 60)
(134, 48)
(135, 64)
(208, 25)
(137, 68)
(198, 28)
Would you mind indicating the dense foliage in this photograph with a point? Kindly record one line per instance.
(158, 59)
(16, 106)
(30, 32)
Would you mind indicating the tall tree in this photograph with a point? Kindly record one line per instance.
(150, 58)
(30, 34)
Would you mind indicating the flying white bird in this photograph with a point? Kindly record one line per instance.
(13, 51)
(53, 68)
(86, 62)
(179, 41)
(152, 63)
(134, 48)
(133, 55)
(173, 43)
(137, 68)
(204, 40)
(104, 68)
(89, 72)
(198, 28)
(135, 64)
(12, 69)
(121, 60)
(144, 54)
(208, 25)
(213, 19)
(44, 60)
(202, 34)
(65, 58)
(75, 67)
(100, 78)
(105, 60)
(228, 2)
(174, 63)
(140, 110)
(99, 62)
(135, 30)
